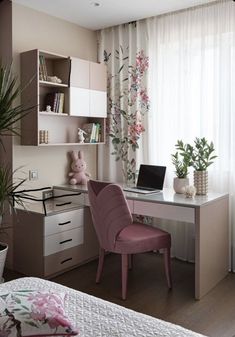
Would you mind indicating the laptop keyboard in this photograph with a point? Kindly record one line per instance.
(141, 190)
(145, 188)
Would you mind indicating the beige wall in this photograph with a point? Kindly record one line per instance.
(6, 58)
(36, 30)
(6, 154)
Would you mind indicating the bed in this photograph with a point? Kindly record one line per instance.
(98, 318)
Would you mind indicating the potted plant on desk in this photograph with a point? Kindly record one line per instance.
(9, 115)
(200, 156)
(181, 170)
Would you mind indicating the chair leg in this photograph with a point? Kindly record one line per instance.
(167, 262)
(100, 265)
(124, 275)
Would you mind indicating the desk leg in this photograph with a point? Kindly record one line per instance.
(211, 245)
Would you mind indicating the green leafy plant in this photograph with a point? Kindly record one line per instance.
(9, 115)
(181, 165)
(200, 155)
(8, 188)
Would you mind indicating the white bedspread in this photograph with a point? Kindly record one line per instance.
(98, 318)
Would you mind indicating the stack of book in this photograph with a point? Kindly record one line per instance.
(93, 132)
(42, 68)
(56, 101)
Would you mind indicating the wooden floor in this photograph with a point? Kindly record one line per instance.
(213, 315)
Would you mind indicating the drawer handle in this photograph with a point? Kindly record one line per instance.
(64, 223)
(69, 259)
(64, 203)
(61, 242)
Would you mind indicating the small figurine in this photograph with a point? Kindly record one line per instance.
(81, 134)
(54, 79)
(78, 166)
(48, 108)
(189, 191)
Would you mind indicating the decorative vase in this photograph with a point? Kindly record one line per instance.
(201, 182)
(179, 184)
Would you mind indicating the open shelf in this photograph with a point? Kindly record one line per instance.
(66, 144)
(52, 84)
(52, 113)
(87, 106)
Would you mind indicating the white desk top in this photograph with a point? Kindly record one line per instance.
(167, 196)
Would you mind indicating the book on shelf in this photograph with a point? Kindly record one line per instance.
(56, 101)
(61, 103)
(42, 68)
(93, 132)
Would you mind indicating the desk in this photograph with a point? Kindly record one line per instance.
(208, 213)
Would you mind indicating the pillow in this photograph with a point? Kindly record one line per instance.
(29, 313)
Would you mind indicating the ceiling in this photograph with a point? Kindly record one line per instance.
(97, 14)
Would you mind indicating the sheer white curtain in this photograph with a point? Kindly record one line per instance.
(192, 94)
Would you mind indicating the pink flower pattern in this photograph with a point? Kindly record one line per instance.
(39, 310)
(126, 108)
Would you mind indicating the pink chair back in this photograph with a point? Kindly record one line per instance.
(110, 211)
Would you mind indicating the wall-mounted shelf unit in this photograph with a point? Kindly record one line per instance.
(39, 72)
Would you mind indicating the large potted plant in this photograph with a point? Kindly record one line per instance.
(200, 156)
(9, 115)
(181, 170)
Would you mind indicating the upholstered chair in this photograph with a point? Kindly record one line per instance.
(118, 233)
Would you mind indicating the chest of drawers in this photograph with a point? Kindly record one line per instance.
(48, 245)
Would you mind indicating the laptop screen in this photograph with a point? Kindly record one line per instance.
(151, 176)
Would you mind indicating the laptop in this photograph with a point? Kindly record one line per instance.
(150, 180)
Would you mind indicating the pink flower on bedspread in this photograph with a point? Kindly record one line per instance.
(48, 307)
(58, 320)
(28, 312)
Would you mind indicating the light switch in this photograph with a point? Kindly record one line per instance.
(33, 175)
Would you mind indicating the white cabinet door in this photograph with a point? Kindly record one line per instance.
(98, 103)
(79, 102)
(98, 77)
(79, 76)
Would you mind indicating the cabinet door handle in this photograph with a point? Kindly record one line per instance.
(65, 241)
(64, 223)
(69, 259)
(64, 203)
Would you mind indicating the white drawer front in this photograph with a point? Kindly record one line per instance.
(177, 213)
(63, 221)
(64, 240)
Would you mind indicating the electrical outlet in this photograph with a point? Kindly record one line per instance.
(47, 194)
(33, 174)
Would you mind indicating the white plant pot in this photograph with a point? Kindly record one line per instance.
(3, 255)
(179, 184)
(201, 182)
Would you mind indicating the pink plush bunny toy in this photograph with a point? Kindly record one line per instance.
(78, 166)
